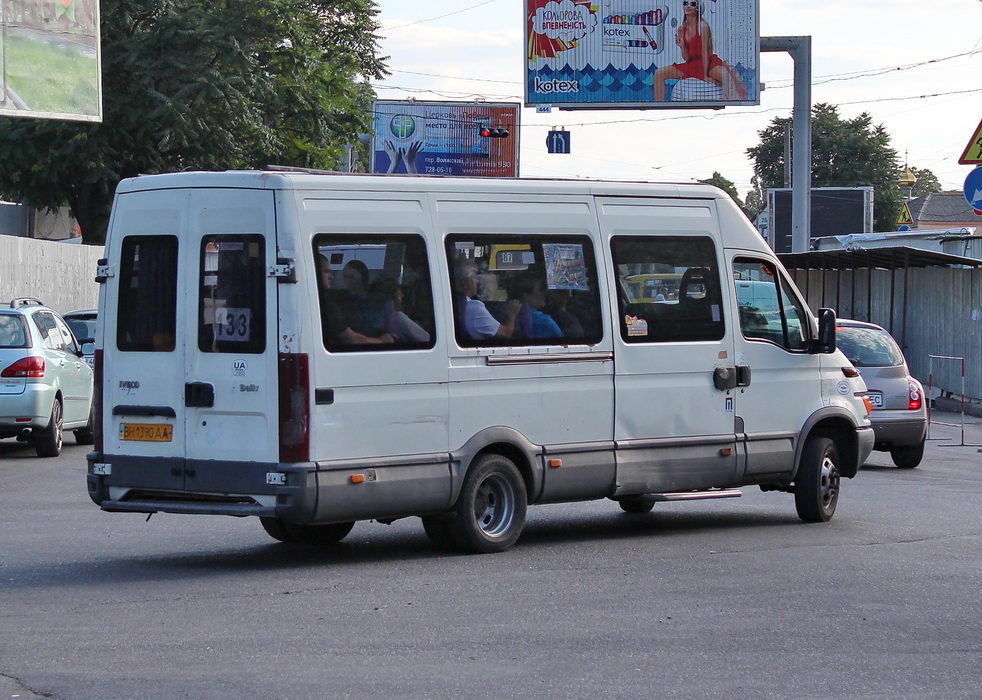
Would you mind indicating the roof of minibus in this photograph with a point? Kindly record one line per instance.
(327, 181)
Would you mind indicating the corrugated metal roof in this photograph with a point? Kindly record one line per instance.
(893, 258)
(942, 206)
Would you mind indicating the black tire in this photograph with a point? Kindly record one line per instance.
(47, 441)
(83, 436)
(310, 535)
(490, 511)
(638, 505)
(438, 530)
(816, 487)
(908, 456)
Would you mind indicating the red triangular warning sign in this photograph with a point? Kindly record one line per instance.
(905, 218)
(973, 151)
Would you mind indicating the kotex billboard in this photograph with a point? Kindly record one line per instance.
(446, 138)
(596, 54)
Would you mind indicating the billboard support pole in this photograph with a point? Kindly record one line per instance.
(800, 48)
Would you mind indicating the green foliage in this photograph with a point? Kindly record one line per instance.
(727, 186)
(927, 182)
(196, 84)
(845, 153)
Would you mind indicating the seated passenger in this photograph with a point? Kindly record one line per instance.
(557, 300)
(334, 324)
(530, 288)
(477, 320)
(388, 295)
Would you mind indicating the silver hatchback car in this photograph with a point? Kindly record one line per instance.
(899, 414)
(45, 383)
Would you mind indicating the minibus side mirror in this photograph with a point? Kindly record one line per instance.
(825, 343)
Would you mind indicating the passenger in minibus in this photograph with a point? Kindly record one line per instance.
(388, 295)
(556, 302)
(334, 324)
(532, 321)
(477, 320)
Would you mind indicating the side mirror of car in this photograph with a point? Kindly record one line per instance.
(824, 344)
(86, 347)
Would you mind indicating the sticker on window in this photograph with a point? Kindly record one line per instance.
(565, 266)
(233, 324)
(636, 326)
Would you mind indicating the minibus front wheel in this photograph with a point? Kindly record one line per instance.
(490, 512)
(816, 486)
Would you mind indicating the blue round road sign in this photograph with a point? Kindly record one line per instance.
(973, 188)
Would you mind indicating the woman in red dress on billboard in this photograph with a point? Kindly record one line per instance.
(695, 39)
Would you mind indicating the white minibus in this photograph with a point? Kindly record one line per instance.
(317, 349)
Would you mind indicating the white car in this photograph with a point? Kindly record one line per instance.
(45, 382)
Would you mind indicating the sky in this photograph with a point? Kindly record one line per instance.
(915, 67)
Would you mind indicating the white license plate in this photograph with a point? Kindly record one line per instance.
(876, 400)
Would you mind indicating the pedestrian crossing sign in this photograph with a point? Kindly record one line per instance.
(973, 151)
(905, 218)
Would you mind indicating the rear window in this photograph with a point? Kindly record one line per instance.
(13, 332)
(232, 294)
(868, 347)
(146, 310)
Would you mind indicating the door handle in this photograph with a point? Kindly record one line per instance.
(199, 394)
(725, 378)
(743, 375)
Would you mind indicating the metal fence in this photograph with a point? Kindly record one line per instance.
(929, 310)
(62, 275)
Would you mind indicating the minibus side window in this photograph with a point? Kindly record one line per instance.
(524, 290)
(374, 292)
(769, 310)
(686, 305)
(232, 294)
(146, 309)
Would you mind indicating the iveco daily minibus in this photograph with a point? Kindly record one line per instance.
(317, 349)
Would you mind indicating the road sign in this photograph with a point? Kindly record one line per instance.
(905, 227)
(904, 217)
(973, 151)
(558, 141)
(973, 189)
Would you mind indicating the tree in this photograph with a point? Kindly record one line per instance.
(927, 182)
(727, 186)
(845, 153)
(202, 84)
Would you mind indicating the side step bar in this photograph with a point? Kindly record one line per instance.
(693, 495)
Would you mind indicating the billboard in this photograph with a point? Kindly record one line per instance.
(835, 211)
(640, 54)
(445, 138)
(50, 59)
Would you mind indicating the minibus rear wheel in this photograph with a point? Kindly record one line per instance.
(816, 487)
(490, 511)
(311, 535)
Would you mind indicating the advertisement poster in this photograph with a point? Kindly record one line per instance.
(445, 138)
(595, 54)
(49, 59)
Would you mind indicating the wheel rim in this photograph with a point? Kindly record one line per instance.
(56, 419)
(829, 486)
(494, 505)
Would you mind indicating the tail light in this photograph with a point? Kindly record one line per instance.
(915, 396)
(32, 366)
(294, 394)
(97, 401)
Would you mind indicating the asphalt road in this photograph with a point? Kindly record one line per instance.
(712, 599)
